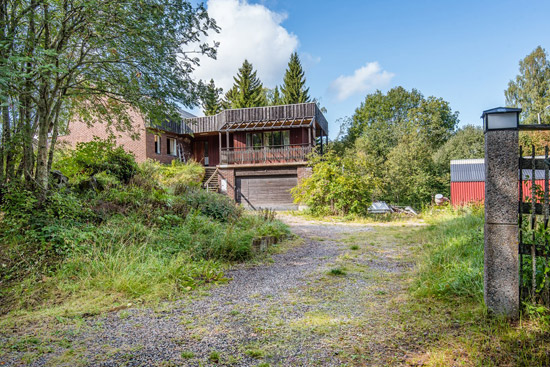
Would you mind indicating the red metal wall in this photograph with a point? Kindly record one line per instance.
(469, 192)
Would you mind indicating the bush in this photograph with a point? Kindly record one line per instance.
(213, 205)
(337, 186)
(176, 174)
(91, 158)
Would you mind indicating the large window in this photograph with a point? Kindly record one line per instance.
(274, 139)
(254, 140)
(171, 146)
(157, 144)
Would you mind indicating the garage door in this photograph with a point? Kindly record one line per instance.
(266, 191)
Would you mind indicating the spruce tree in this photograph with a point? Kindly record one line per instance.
(210, 99)
(247, 91)
(293, 88)
(276, 99)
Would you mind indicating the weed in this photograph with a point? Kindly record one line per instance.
(254, 353)
(337, 272)
(214, 356)
(354, 247)
(187, 354)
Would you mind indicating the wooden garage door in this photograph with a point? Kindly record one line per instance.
(267, 191)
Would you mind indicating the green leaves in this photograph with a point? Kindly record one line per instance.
(293, 89)
(247, 91)
(531, 88)
(338, 185)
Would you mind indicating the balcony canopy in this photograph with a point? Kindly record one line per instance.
(259, 118)
(268, 124)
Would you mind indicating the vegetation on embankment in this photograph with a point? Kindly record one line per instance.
(448, 290)
(113, 234)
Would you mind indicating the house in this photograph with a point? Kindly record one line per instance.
(254, 155)
(468, 181)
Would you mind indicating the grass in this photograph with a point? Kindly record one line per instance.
(130, 243)
(337, 272)
(448, 290)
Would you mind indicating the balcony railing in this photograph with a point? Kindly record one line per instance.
(271, 154)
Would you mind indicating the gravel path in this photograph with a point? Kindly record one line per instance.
(290, 312)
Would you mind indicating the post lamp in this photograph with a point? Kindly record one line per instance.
(501, 118)
(501, 265)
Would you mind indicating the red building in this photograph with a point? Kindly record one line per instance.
(468, 181)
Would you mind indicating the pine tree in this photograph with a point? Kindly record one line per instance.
(277, 99)
(247, 91)
(293, 88)
(210, 99)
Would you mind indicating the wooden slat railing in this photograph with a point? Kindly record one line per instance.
(279, 154)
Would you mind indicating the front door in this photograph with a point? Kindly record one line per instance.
(206, 163)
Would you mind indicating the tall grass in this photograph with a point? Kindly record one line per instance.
(453, 263)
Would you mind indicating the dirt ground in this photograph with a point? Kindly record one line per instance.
(333, 298)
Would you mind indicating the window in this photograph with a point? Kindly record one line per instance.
(254, 140)
(171, 146)
(275, 139)
(157, 144)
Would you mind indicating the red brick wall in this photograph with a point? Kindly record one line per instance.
(163, 157)
(229, 175)
(79, 132)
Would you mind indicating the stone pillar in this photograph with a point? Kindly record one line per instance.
(501, 277)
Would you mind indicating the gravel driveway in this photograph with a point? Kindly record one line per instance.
(312, 305)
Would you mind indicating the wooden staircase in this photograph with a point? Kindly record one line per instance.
(210, 181)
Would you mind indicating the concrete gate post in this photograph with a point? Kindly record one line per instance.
(501, 266)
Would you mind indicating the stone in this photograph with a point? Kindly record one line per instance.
(501, 176)
(501, 272)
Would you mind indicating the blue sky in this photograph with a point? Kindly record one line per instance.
(462, 51)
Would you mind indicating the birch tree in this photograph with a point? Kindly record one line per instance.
(94, 60)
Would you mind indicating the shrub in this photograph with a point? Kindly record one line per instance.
(91, 158)
(213, 205)
(338, 185)
(175, 174)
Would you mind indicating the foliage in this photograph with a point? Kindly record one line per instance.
(210, 99)
(411, 176)
(293, 89)
(130, 241)
(59, 60)
(276, 99)
(247, 90)
(175, 175)
(531, 88)
(337, 185)
(91, 158)
(398, 133)
(467, 142)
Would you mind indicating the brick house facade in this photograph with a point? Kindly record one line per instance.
(255, 155)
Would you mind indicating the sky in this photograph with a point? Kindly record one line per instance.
(465, 51)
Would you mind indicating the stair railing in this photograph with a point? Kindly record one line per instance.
(206, 185)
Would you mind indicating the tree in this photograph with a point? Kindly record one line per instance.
(210, 98)
(247, 90)
(411, 176)
(93, 59)
(276, 98)
(531, 88)
(399, 132)
(338, 185)
(466, 143)
(293, 89)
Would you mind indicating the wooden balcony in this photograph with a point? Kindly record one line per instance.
(271, 154)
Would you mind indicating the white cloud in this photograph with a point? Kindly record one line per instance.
(365, 79)
(248, 31)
